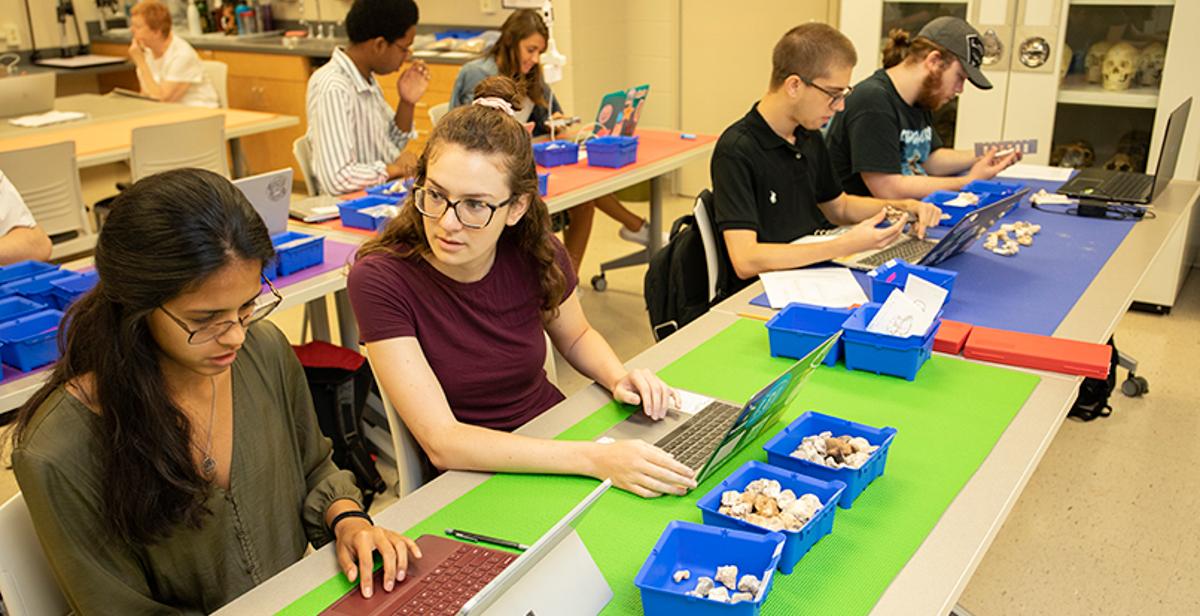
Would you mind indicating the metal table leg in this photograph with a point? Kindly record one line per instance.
(655, 241)
(347, 326)
(238, 158)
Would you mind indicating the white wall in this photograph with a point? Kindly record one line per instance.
(45, 23)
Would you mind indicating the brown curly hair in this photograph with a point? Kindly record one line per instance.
(488, 131)
(902, 46)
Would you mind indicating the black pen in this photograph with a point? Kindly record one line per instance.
(477, 538)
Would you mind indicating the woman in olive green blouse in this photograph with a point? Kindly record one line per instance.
(173, 460)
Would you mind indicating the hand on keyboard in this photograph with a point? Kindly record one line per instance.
(640, 386)
(358, 540)
(641, 468)
(864, 235)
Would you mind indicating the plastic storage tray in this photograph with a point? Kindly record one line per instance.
(66, 290)
(956, 213)
(700, 550)
(23, 269)
(799, 328)
(556, 153)
(381, 189)
(883, 354)
(612, 151)
(36, 288)
(996, 187)
(17, 307)
(951, 337)
(779, 452)
(799, 542)
(352, 216)
(894, 275)
(31, 341)
(543, 183)
(297, 251)
(1040, 352)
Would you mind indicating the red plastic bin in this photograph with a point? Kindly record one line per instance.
(951, 337)
(1039, 352)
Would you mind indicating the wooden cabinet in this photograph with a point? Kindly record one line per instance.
(116, 79)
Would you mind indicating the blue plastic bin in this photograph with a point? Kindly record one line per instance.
(298, 251)
(556, 153)
(701, 549)
(381, 189)
(798, 543)
(779, 452)
(956, 213)
(883, 354)
(799, 328)
(995, 187)
(353, 217)
(612, 151)
(543, 183)
(17, 307)
(36, 288)
(31, 341)
(23, 269)
(894, 275)
(65, 290)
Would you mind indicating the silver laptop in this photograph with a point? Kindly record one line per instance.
(22, 95)
(315, 209)
(719, 430)
(271, 195)
(930, 251)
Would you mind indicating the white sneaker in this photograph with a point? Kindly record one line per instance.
(641, 236)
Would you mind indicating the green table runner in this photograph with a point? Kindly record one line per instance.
(948, 420)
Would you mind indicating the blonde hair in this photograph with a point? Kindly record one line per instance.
(155, 14)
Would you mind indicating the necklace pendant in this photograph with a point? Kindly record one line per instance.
(208, 467)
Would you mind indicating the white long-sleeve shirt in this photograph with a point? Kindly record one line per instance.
(351, 128)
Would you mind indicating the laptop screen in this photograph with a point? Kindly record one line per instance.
(1172, 143)
(620, 111)
(765, 406)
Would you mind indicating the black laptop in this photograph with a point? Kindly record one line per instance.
(1126, 187)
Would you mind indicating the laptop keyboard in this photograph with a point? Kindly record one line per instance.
(458, 578)
(1126, 186)
(910, 249)
(695, 439)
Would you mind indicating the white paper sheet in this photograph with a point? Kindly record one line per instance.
(48, 118)
(833, 287)
(1029, 171)
(897, 317)
(928, 297)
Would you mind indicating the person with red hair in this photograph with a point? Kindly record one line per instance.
(168, 68)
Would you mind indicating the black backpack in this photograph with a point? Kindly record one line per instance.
(676, 284)
(1092, 400)
(339, 380)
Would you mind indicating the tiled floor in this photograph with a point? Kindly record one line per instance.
(1107, 524)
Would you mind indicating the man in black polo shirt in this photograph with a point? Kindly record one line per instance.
(884, 143)
(772, 178)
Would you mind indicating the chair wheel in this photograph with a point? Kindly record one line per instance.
(599, 283)
(1135, 386)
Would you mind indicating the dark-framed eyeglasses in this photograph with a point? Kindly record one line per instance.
(835, 94)
(263, 305)
(473, 213)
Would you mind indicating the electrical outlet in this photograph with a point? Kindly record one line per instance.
(10, 35)
(489, 6)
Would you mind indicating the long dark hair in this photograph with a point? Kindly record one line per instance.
(522, 24)
(166, 234)
(489, 131)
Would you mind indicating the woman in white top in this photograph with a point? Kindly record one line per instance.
(168, 69)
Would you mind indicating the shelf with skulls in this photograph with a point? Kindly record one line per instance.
(1110, 69)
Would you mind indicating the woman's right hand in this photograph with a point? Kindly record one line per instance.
(641, 468)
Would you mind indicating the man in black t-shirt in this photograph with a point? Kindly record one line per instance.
(884, 143)
(772, 178)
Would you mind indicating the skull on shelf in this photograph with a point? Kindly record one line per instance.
(1119, 162)
(1078, 155)
(1120, 65)
(1094, 61)
(1150, 64)
(1066, 62)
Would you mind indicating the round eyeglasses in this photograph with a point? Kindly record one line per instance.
(472, 213)
(262, 306)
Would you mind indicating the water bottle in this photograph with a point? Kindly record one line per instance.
(193, 19)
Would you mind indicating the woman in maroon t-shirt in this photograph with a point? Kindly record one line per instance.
(453, 306)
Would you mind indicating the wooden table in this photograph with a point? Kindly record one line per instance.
(105, 136)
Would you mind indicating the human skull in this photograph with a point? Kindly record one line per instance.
(1094, 61)
(1119, 162)
(1120, 65)
(1077, 155)
(1150, 64)
(1066, 62)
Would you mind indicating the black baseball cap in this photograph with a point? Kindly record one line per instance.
(960, 39)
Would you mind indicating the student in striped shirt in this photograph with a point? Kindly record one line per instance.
(357, 140)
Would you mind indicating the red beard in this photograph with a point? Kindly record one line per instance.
(930, 96)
